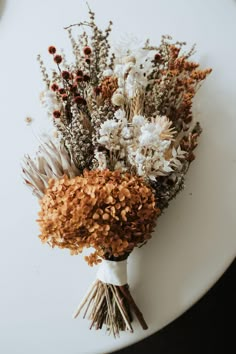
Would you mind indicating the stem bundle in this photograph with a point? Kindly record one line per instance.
(110, 305)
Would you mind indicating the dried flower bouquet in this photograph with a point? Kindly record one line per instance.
(124, 142)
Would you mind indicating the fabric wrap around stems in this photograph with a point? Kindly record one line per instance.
(111, 272)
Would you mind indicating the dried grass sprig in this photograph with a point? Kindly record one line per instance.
(51, 161)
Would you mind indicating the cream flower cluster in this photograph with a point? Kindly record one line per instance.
(146, 144)
(131, 72)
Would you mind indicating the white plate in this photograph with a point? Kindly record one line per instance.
(195, 239)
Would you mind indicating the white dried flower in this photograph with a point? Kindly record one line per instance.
(101, 159)
(120, 114)
(138, 120)
(146, 144)
(127, 133)
(132, 70)
(108, 127)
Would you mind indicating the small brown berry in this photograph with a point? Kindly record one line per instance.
(64, 97)
(58, 59)
(87, 50)
(79, 100)
(65, 74)
(88, 60)
(52, 49)
(86, 78)
(54, 87)
(73, 88)
(56, 114)
(157, 57)
(62, 90)
(79, 79)
(79, 73)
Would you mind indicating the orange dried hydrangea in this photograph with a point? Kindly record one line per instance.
(108, 210)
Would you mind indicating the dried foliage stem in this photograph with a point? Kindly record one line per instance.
(110, 305)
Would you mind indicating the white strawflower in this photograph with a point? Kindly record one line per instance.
(126, 133)
(138, 120)
(108, 127)
(120, 114)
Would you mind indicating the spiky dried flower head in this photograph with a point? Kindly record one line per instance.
(62, 90)
(52, 49)
(54, 87)
(86, 77)
(79, 100)
(108, 210)
(52, 160)
(79, 73)
(64, 97)
(157, 57)
(58, 59)
(56, 114)
(65, 74)
(87, 50)
(79, 79)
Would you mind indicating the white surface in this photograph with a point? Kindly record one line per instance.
(113, 272)
(195, 241)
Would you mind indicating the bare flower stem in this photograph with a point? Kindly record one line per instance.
(110, 305)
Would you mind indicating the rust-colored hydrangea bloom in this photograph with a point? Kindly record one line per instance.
(108, 210)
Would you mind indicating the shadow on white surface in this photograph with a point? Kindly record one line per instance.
(2, 7)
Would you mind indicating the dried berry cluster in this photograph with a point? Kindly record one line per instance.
(109, 211)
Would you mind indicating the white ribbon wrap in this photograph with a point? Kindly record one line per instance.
(111, 272)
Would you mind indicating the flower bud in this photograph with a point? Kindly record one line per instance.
(54, 87)
(56, 114)
(87, 50)
(57, 58)
(52, 49)
(65, 74)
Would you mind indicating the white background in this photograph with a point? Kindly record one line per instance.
(195, 239)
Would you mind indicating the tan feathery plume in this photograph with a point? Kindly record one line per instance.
(51, 161)
(136, 106)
